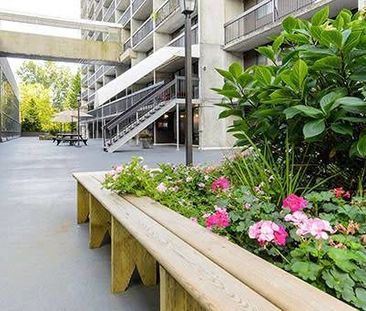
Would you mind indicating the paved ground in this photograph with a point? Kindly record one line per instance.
(45, 263)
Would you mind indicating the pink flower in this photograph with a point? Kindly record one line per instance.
(194, 219)
(280, 236)
(218, 219)
(294, 203)
(222, 183)
(161, 188)
(266, 231)
(297, 218)
(316, 227)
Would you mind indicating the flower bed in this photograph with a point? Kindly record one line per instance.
(318, 237)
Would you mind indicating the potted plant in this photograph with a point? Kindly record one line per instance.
(145, 138)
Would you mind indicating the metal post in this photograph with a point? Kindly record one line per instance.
(78, 129)
(178, 116)
(188, 74)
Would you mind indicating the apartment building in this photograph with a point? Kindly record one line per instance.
(147, 89)
(9, 103)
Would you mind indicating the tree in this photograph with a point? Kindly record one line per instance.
(71, 101)
(36, 108)
(56, 78)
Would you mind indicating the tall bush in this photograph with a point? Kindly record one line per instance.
(312, 89)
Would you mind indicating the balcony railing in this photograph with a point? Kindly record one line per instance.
(99, 73)
(127, 45)
(109, 12)
(98, 8)
(141, 33)
(84, 94)
(260, 15)
(179, 41)
(166, 10)
(126, 16)
(136, 4)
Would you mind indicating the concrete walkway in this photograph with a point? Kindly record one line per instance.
(45, 263)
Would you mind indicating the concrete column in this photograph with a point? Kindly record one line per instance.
(213, 132)
(361, 4)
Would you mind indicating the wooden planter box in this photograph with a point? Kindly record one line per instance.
(198, 269)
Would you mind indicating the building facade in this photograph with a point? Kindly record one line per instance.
(147, 89)
(9, 103)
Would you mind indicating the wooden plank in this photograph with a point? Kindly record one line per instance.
(99, 224)
(211, 286)
(82, 204)
(127, 255)
(173, 296)
(283, 289)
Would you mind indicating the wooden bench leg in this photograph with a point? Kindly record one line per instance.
(99, 223)
(82, 204)
(128, 254)
(173, 296)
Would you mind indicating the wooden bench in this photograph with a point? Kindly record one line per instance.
(198, 270)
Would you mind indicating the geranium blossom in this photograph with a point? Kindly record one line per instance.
(341, 193)
(266, 231)
(294, 203)
(297, 218)
(222, 183)
(220, 218)
(161, 188)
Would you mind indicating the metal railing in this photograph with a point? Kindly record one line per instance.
(260, 15)
(168, 8)
(136, 5)
(179, 41)
(84, 94)
(99, 73)
(127, 45)
(147, 105)
(98, 8)
(126, 16)
(110, 12)
(141, 33)
(118, 106)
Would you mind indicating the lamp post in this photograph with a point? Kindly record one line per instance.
(187, 8)
(78, 129)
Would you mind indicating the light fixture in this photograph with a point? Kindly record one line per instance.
(187, 6)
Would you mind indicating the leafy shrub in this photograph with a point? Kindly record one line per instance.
(313, 89)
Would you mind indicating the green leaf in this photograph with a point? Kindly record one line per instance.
(344, 129)
(332, 37)
(289, 23)
(320, 17)
(328, 62)
(314, 128)
(361, 146)
(327, 102)
(340, 282)
(343, 259)
(306, 270)
(244, 79)
(277, 43)
(226, 74)
(360, 300)
(316, 32)
(236, 69)
(351, 101)
(299, 73)
(308, 111)
(267, 51)
(263, 75)
(353, 119)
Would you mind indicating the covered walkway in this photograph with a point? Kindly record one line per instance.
(45, 263)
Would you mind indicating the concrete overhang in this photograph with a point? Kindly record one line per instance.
(263, 35)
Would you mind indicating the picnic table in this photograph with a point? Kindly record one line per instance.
(70, 138)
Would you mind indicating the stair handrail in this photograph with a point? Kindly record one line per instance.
(139, 104)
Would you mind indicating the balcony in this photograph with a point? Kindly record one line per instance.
(84, 95)
(142, 9)
(142, 38)
(99, 73)
(254, 26)
(179, 41)
(169, 17)
(98, 8)
(126, 17)
(110, 12)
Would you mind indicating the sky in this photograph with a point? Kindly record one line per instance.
(57, 8)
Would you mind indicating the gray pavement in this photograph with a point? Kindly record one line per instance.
(45, 263)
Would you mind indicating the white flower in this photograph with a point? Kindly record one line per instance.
(207, 177)
(201, 185)
(189, 179)
(174, 189)
(161, 188)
